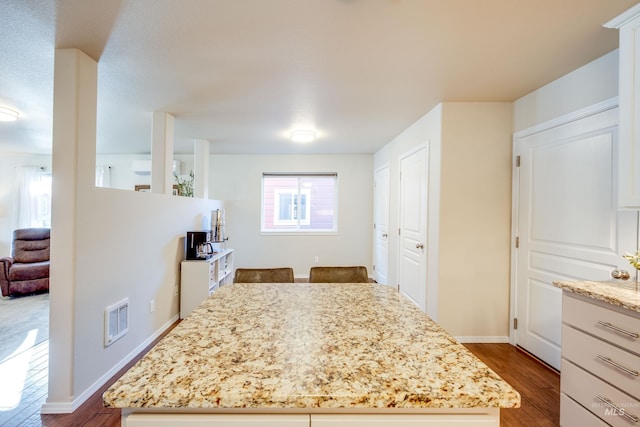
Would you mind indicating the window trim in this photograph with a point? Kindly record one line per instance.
(293, 221)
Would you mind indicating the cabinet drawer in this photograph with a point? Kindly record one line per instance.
(605, 323)
(572, 414)
(584, 350)
(584, 388)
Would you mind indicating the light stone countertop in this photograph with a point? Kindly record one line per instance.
(621, 293)
(309, 346)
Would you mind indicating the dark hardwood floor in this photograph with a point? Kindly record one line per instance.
(539, 387)
(538, 384)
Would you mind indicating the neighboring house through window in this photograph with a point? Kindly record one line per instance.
(299, 203)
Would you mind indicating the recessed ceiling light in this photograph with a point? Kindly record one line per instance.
(8, 115)
(303, 135)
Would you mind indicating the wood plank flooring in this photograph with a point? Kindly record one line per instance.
(24, 379)
(538, 385)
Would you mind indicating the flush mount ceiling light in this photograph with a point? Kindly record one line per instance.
(303, 135)
(8, 115)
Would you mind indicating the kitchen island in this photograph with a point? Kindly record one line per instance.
(305, 354)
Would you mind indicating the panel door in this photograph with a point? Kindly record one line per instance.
(412, 266)
(381, 225)
(568, 224)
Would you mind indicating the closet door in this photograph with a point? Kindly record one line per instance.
(381, 225)
(568, 225)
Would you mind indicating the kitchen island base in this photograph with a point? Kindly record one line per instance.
(309, 354)
(452, 417)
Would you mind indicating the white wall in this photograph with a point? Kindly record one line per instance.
(590, 84)
(468, 214)
(475, 220)
(122, 174)
(129, 246)
(237, 179)
(122, 177)
(426, 129)
(106, 244)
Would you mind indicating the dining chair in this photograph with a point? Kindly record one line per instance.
(264, 275)
(355, 274)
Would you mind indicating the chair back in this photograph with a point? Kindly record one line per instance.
(264, 275)
(31, 245)
(355, 274)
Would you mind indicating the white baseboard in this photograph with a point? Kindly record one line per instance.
(484, 340)
(68, 407)
(57, 408)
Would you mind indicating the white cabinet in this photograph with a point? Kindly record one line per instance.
(600, 363)
(199, 279)
(217, 420)
(406, 420)
(478, 418)
(629, 98)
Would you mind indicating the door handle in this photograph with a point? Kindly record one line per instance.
(384, 235)
(419, 246)
(620, 274)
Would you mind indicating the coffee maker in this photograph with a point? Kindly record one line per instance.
(198, 245)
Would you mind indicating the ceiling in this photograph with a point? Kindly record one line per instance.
(242, 74)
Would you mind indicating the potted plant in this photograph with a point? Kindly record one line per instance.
(185, 185)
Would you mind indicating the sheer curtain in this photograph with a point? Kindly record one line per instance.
(33, 197)
(103, 176)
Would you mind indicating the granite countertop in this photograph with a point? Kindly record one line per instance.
(309, 346)
(621, 293)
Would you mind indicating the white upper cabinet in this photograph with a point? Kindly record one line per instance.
(629, 98)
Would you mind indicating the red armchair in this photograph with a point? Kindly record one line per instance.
(27, 270)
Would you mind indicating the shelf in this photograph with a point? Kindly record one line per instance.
(200, 278)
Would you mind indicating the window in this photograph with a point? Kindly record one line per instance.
(294, 203)
(34, 197)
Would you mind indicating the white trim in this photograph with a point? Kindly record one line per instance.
(68, 407)
(591, 110)
(515, 201)
(484, 339)
(624, 18)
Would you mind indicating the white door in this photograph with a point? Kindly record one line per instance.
(412, 266)
(381, 225)
(567, 223)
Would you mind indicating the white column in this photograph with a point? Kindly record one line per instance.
(201, 168)
(74, 141)
(162, 153)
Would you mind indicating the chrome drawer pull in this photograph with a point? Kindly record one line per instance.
(615, 365)
(617, 409)
(615, 328)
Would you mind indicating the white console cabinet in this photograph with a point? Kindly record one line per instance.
(199, 279)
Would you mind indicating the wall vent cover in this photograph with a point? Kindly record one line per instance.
(116, 321)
